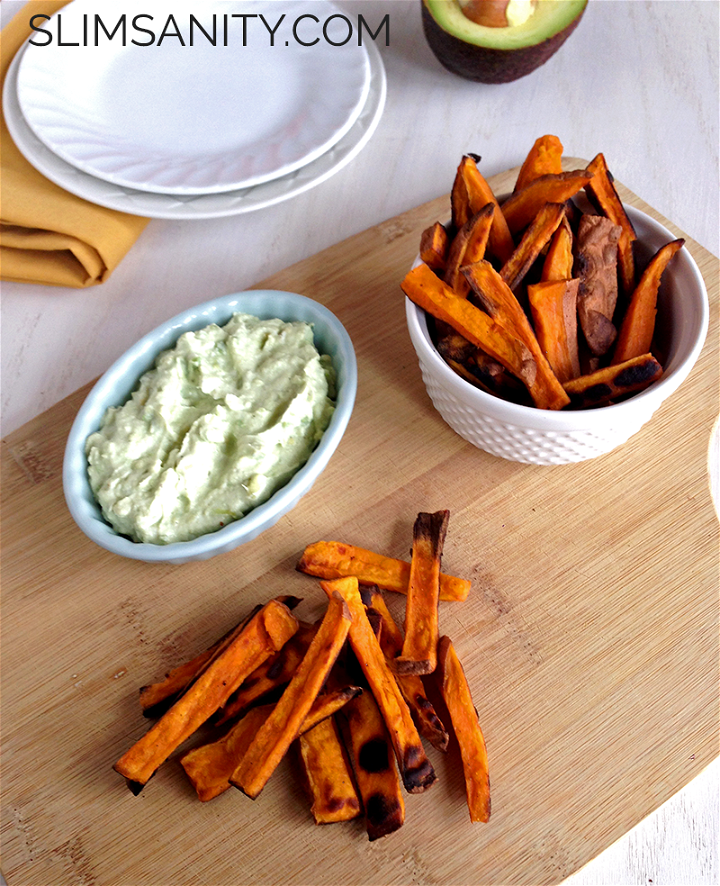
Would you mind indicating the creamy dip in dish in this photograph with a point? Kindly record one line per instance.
(223, 420)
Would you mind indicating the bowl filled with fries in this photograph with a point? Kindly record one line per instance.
(551, 323)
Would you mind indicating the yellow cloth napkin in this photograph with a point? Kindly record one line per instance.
(48, 235)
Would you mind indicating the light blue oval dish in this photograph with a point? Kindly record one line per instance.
(116, 385)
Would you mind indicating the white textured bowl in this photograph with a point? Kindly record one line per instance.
(548, 437)
(120, 380)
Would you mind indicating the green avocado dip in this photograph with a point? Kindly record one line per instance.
(223, 420)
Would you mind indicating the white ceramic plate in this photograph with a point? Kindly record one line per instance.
(191, 119)
(179, 207)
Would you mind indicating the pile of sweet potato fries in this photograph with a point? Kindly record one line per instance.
(346, 693)
(535, 300)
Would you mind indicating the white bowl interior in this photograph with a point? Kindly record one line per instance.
(116, 385)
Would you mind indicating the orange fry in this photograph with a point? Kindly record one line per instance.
(328, 775)
(545, 157)
(554, 311)
(472, 192)
(282, 726)
(372, 758)
(538, 233)
(610, 382)
(412, 687)
(558, 264)
(601, 191)
(457, 696)
(416, 771)
(419, 651)
(209, 766)
(501, 304)
(522, 207)
(273, 673)
(335, 559)
(156, 698)
(467, 246)
(638, 325)
(434, 246)
(438, 299)
(264, 634)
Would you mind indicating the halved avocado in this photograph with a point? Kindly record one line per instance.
(498, 54)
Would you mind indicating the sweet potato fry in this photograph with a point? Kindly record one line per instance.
(533, 241)
(264, 634)
(467, 246)
(522, 207)
(434, 244)
(457, 696)
(638, 325)
(371, 753)
(437, 298)
(471, 193)
(602, 194)
(453, 346)
(558, 264)
(596, 263)
(419, 651)
(209, 766)
(544, 158)
(416, 771)
(156, 698)
(501, 304)
(501, 384)
(429, 725)
(335, 559)
(599, 387)
(553, 306)
(273, 673)
(276, 734)
(328, 776)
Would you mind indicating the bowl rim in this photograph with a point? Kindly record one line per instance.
(567, 420)
(121, 378)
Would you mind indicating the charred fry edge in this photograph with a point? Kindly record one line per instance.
(412, 687)
(416, 771)
(328, 775)
(603, 385)
(373, 763)
(419, 651)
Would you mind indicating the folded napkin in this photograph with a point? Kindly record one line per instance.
(48, 235)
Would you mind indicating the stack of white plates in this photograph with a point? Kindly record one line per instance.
(194, 109)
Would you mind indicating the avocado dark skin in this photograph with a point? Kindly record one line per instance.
(486, 64)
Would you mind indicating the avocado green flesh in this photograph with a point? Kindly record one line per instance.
(549, 18)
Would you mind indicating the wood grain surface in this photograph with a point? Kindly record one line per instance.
(590, 638)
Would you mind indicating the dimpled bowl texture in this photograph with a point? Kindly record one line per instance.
(120, 380)
(548, 437)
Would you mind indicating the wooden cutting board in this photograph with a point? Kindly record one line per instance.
(590, 638)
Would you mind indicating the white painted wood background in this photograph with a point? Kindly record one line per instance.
(638, 81)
